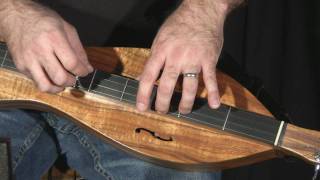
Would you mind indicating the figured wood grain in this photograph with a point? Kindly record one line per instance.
(193, 146)
(301, 142)
(130, 61)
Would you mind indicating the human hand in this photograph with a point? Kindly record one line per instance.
(189, 41)
(44, 47)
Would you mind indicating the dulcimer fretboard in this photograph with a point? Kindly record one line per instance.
(226, 118)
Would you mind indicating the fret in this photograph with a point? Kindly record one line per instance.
(215, 117)
(253, 125)
(4, 57)
(8, 63)
(84, 82)
(107, 84)
(129, 97)
(124, 89)
(225, 117)
(132, 87)
(91, 81)
(198, 120)
(225, 122)
(201, 112)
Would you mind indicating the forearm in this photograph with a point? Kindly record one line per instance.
(6, 9)
(213, 6)
(189, 41)
(203, 15)
(14, 12)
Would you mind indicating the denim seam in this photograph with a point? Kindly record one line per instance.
(27, 144)
(76, 131)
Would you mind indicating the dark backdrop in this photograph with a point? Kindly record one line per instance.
(274, 41)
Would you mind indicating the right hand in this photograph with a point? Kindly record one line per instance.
(44, 47)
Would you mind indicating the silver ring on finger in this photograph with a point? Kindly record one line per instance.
(191, 75)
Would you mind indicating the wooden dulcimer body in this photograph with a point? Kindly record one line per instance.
(241, 132)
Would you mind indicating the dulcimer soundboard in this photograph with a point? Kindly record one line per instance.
(240, 132)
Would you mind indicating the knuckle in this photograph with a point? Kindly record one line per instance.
(187, 101)
(72, 29)
(165, 90)
(214, 90)
(210, 76)
(172, 71)
(147, 78)
(46, 37)
(51, 36)
(72, 65)
(172, 74)
(190, 90)
(60, 78)
(20, 66)
(44, 86)
(69, 26)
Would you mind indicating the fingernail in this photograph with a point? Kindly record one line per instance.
(141, 107)
(161, 111)
(90, 68)
(215, 102)
(185, 111)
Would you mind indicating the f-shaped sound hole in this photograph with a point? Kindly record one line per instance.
(154, 134)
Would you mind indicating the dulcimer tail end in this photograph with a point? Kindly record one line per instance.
(300, 142)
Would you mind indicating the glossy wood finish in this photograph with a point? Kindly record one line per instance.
(130, 61)
(192, 147)
(301, 142)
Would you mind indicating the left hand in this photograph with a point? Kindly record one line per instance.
(189, 41)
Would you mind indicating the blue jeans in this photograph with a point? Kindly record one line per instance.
(38, 138)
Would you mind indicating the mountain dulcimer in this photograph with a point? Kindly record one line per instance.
(240, 132)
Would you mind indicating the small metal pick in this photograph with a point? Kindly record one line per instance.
(77, 84)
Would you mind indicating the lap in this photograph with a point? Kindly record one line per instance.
(33, 149)
(89, 155)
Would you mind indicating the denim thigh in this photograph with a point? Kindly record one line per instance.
(33, 149)
(95, 159)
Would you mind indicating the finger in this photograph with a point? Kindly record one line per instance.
(42, 81)
(76, 45)
(57, 74)
(189, 91)
(147, 79)
(210, 81)
(27, 74)
(166, 87)
(67, 56)
(22, 69)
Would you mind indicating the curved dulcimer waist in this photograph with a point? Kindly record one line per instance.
(204, 139)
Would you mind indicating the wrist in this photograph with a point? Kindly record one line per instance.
(12, 14)
(213, 7)
(204, 15)
(5, 13)
(18, 15)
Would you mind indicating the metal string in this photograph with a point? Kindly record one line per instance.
(133, 95)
